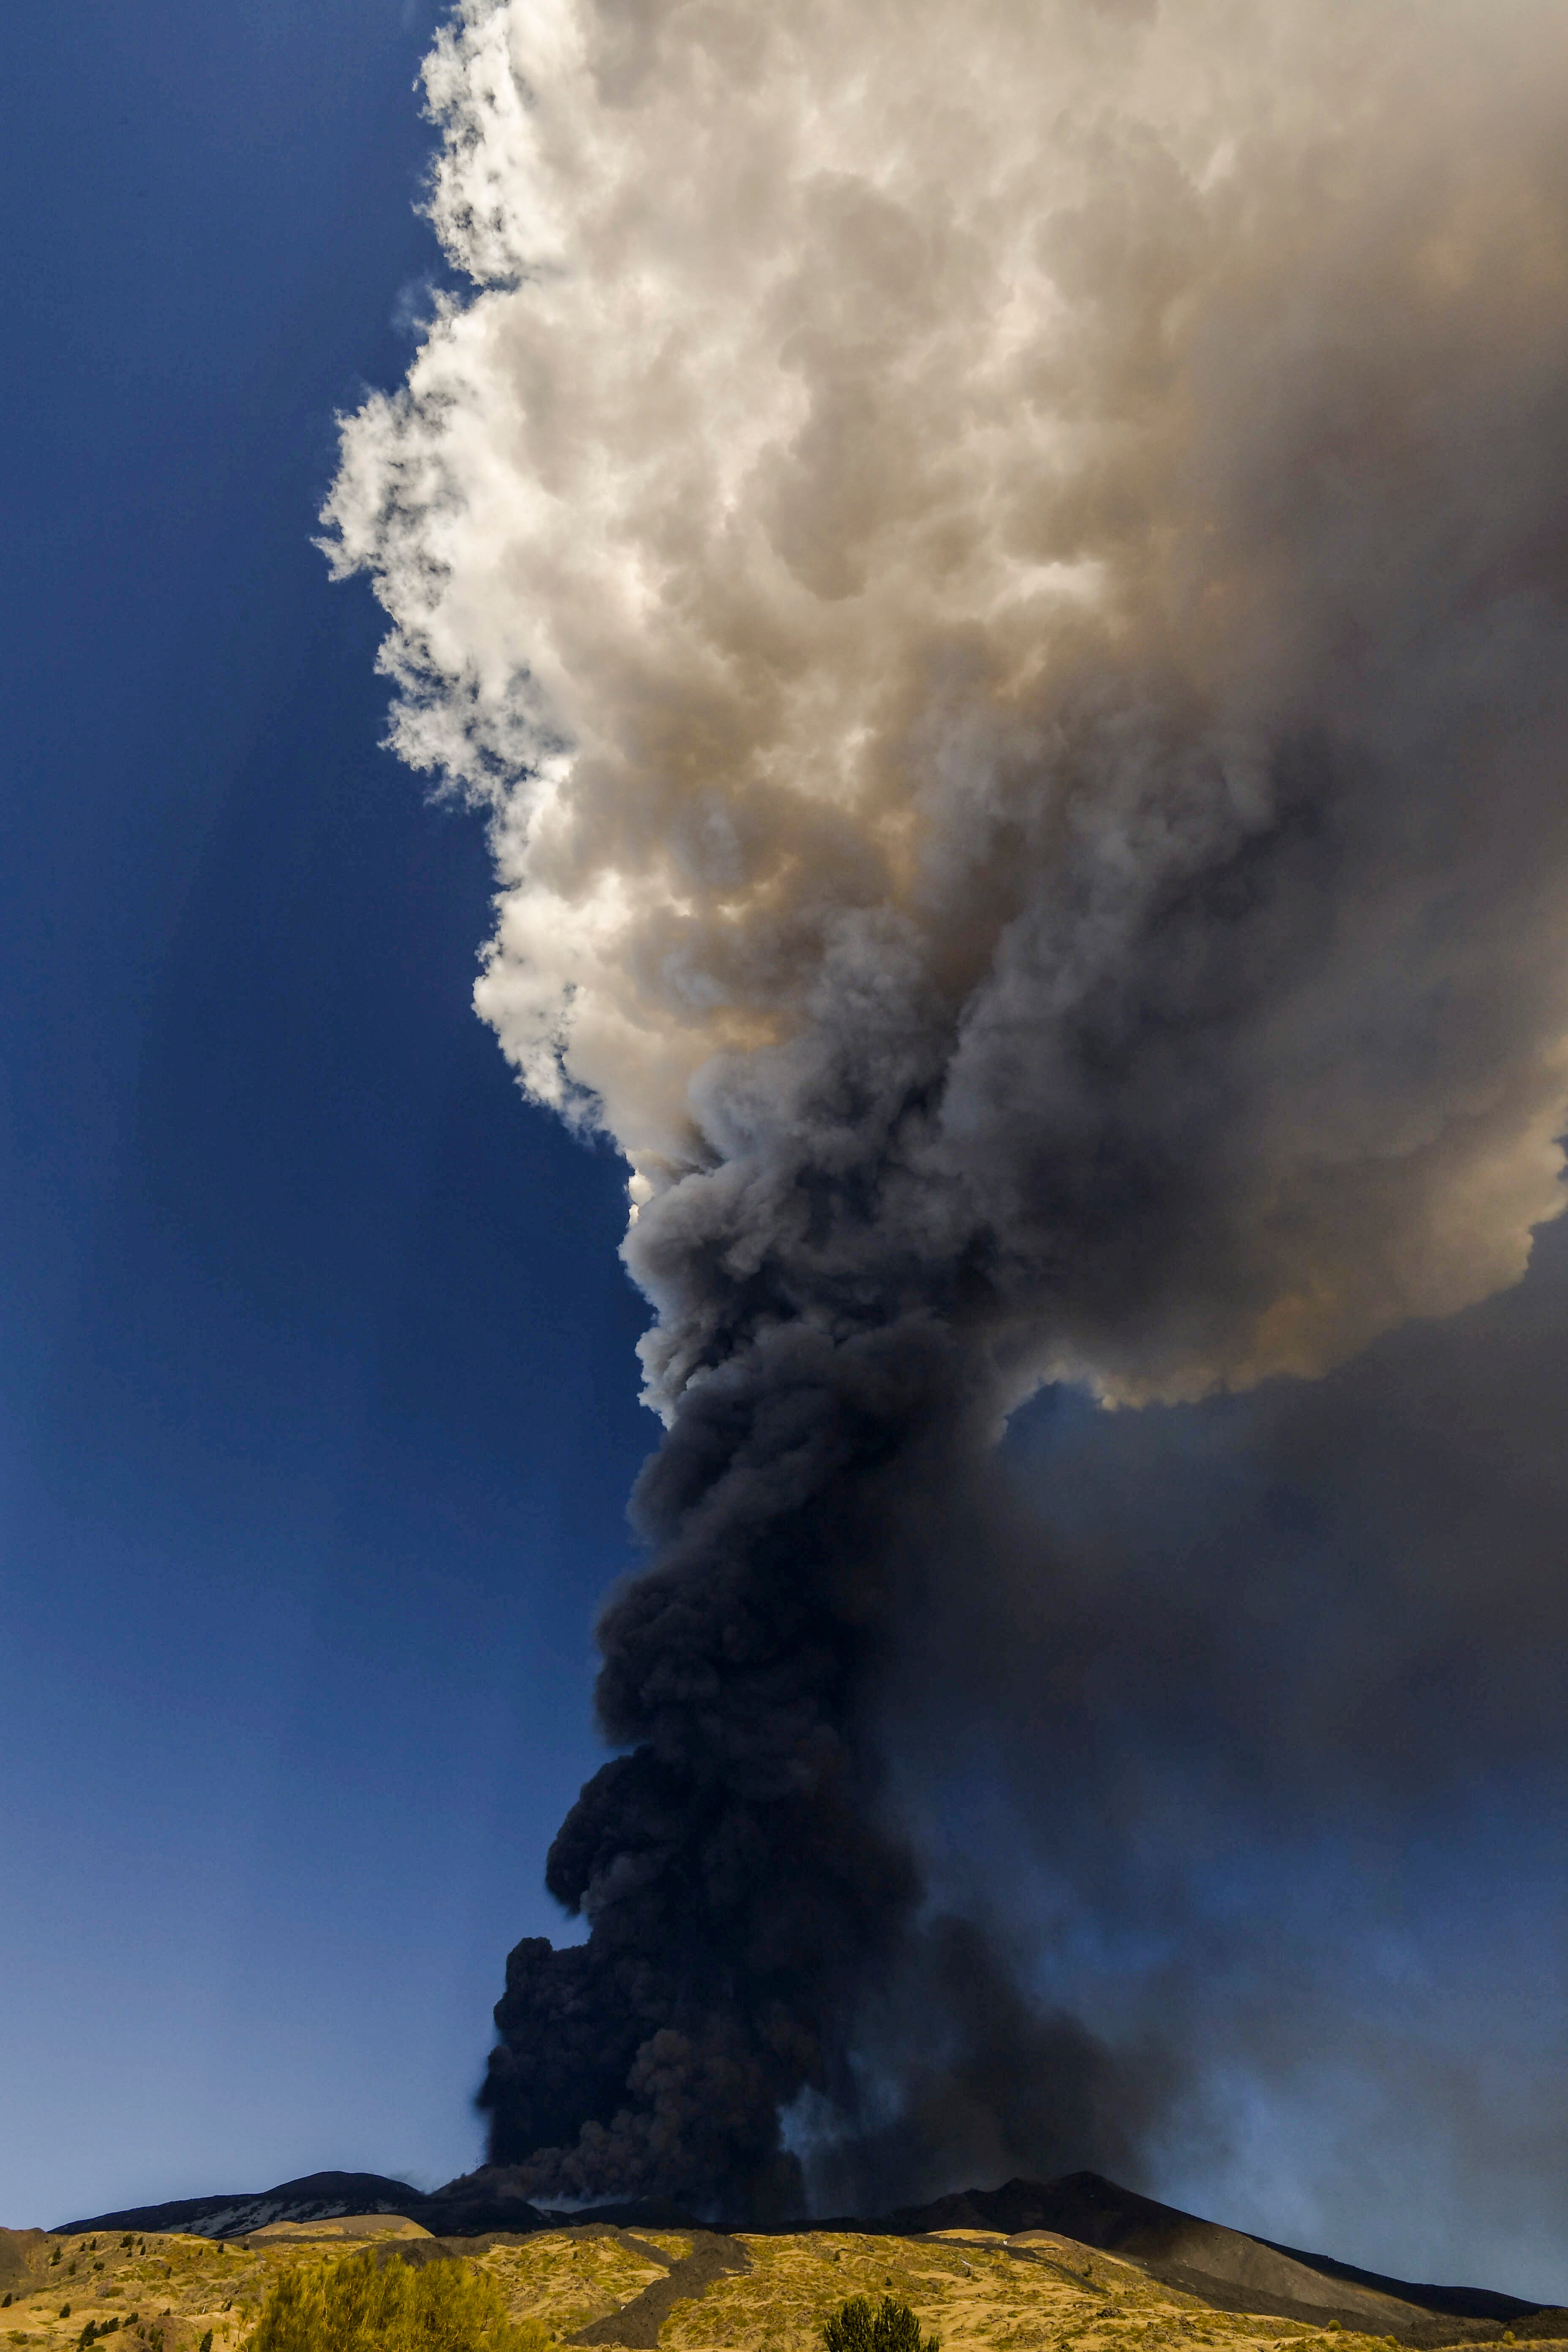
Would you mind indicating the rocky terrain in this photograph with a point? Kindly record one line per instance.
(996, 2270)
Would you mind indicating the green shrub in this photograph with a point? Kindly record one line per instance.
(890, 2327)
(362, 2306)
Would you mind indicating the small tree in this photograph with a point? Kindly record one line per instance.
(849, 2329)
(892, 2327)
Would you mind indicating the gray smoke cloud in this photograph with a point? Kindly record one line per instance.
(998, 572)
(1255, 1715)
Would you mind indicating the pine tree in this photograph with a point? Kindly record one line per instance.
(892, 2327)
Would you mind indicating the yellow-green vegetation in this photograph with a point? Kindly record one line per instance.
(566, 2280)
(974, 2289)
(162, 2294)
(361, 2304)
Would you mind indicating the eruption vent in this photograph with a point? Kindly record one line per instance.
(998, 568)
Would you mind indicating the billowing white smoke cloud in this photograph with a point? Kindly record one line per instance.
(998, 567)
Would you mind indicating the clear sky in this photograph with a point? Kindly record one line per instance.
(317, 1411)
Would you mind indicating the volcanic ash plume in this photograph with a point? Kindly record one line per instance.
(998, 568)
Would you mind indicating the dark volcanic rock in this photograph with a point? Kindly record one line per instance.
(1225, 2267)
(478, 2204)
(639, 2213)
(638, 2323)
(1464, 2302)
(318, 2197)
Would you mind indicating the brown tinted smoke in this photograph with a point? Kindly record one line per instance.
(999, 571)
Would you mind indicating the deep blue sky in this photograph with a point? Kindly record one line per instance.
(317, 1411)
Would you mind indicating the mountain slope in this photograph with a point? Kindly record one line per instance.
(316, 2197)
(1225, 2270)
(1204, 2257)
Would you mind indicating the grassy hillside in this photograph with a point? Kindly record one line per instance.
(978, 2291)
